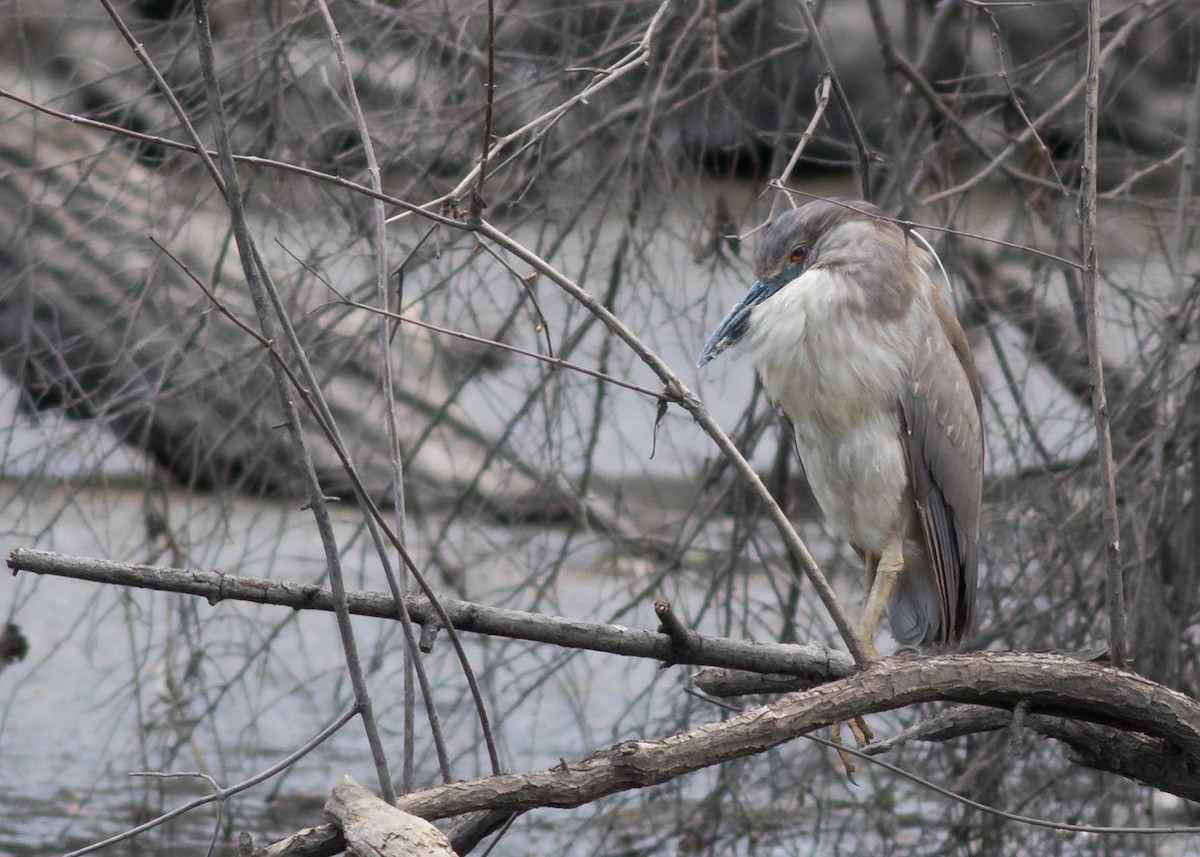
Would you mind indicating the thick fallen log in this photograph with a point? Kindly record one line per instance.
(97, 323)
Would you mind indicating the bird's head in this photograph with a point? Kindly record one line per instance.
(798, 240)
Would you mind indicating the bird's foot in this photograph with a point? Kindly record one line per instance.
(862, 737)
(868, 646)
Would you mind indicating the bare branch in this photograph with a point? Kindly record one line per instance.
(823, 88)
(1114, 581)
(815, 662)
(1047, 683)
(397, 585)
(267, 303)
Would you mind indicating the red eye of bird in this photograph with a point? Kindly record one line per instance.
(799, 254)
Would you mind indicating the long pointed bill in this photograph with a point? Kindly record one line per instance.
(735, 325)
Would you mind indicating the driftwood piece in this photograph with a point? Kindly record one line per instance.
(99, 324)
(374, 828)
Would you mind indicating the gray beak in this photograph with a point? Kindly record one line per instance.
(735, 325)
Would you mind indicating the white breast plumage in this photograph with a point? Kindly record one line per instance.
(840, 385)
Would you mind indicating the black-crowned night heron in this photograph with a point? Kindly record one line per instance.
(854, 341)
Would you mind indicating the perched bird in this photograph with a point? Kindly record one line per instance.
(856, 344)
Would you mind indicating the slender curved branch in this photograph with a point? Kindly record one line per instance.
(690, 402)
(412, 665)
(266, 301)
(839, 94)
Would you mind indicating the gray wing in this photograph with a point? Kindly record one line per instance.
(944, 448)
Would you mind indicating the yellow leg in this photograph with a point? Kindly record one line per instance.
(881, 579)
(882, 573)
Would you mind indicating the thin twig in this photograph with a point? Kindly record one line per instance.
(139, 51)
(224, 794)
(1031, 821)
(822, 95)
(477, 202)
(924, 88)
(266, 301)
(398, 585)
(555, 362)
(947, 230)
(1114, 582)
(312, 398)
(197, 147)
(839, 94)
(540, 125)
(1003, 74)
(527, 281)
(1067, 98)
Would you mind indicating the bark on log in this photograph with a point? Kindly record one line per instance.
(1049, 684)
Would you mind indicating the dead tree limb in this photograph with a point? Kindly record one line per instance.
(1112, 720)
(810, 661)
(1126, 713)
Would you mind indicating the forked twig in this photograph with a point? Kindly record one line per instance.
(822, 94)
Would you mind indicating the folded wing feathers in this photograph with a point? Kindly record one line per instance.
(944, 449)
